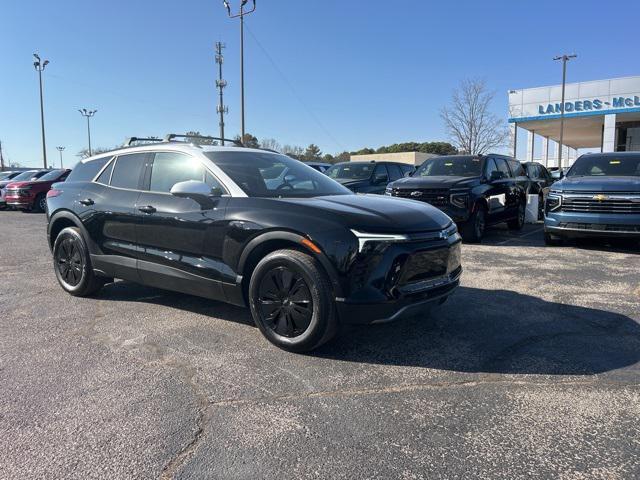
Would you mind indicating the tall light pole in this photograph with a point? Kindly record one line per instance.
(88, 114)
(241, 15)
(60, 149)
(39, 65)
(221, 108)
(565, 59)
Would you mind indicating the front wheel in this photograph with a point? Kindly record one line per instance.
(518, 222)
(473, 229)
(40, 203)
(291, 302)
(72, 264)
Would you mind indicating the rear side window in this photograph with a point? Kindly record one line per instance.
(85, 172)
(127, 170)
(517, 169)
(105, 176)
(406, 169)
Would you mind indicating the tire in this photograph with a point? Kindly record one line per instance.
(553, 240)
(518, 222)
(72, 264)
(290, 297)
(473, 229)
(40, 204)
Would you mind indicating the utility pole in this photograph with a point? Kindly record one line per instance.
(88, 114)
(241, 15)
(221, 84)
(60, 149)
(40, 66)
(565, 59)
(1, 158)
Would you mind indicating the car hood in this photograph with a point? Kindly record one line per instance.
(598, 184)
(376, 213)
(444, 181)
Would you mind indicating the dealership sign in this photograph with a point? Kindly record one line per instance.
(589, 105)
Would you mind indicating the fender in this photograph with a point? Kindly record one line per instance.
(297, 239)
(69, 216)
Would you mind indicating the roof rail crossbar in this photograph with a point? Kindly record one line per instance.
(172, 136)
(131, 140)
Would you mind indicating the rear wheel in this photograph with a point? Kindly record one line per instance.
(72, 264)
(291, 302)
(473, 229)
(518, 222)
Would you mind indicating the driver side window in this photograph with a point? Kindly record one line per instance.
(380, 172)
(490, 168)
(169, 168)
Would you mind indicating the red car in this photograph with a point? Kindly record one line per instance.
(32, 195)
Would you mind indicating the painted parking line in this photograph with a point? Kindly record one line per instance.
(520, 236)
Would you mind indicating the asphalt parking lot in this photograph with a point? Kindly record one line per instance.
(531, 370)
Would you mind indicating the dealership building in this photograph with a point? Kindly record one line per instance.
(602, 115)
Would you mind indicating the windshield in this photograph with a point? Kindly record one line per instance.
(52, 175)
(4, 175)
(272, 175)
(351, 171)
(450, 166)
(25, 176)
(606, 165)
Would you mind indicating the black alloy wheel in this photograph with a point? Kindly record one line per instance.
(473, 229)
(69, 261)
(518, 222)
(72, 264)
(42, 203)
(292, 301)
(285, 302)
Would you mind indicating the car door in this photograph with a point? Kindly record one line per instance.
(181, 239)
(498, 189)
(111, 216)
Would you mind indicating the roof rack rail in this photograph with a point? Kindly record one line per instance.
(172, 136)
(131, 140)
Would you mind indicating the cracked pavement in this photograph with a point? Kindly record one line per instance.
(531, 370)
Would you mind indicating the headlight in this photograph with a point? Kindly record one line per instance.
(364, 237)
(553, 202)
(460, 200)
(388, 191)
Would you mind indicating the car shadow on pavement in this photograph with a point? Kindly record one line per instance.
(497, 331)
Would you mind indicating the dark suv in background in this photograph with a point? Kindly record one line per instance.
(474, 190)
(599, 197)
(368, 177)
(301, 251)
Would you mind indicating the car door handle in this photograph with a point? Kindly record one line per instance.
(86, 202)
(147, 209)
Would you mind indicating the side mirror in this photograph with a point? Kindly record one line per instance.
(197, 191)
(495, 176)
(380, 178)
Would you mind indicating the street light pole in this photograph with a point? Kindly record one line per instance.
(241, 15)
(40, 66)
(88, 114)
(60, 149)
(565, 59)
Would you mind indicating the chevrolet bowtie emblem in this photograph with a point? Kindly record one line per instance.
(600, 197)
(417, 193)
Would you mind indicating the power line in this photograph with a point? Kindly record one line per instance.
(294, 92)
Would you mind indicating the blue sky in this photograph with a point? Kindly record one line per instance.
(348, 74)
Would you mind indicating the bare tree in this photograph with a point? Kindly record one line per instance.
(270, 144)
(293, 151)
(469, 123)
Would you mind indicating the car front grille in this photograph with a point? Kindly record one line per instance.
(601, 203)
(438, 197)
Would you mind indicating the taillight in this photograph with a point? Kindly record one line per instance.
(53, 193)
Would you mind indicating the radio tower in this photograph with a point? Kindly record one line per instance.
(221, 84)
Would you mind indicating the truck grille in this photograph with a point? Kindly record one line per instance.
(602, 203)
(438, 197)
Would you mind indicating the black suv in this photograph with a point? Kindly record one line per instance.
(304, 253)
(474, 190)
(368, 177)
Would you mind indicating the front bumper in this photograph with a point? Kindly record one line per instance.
(383, 312)
(19, 202)
(579, 225)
